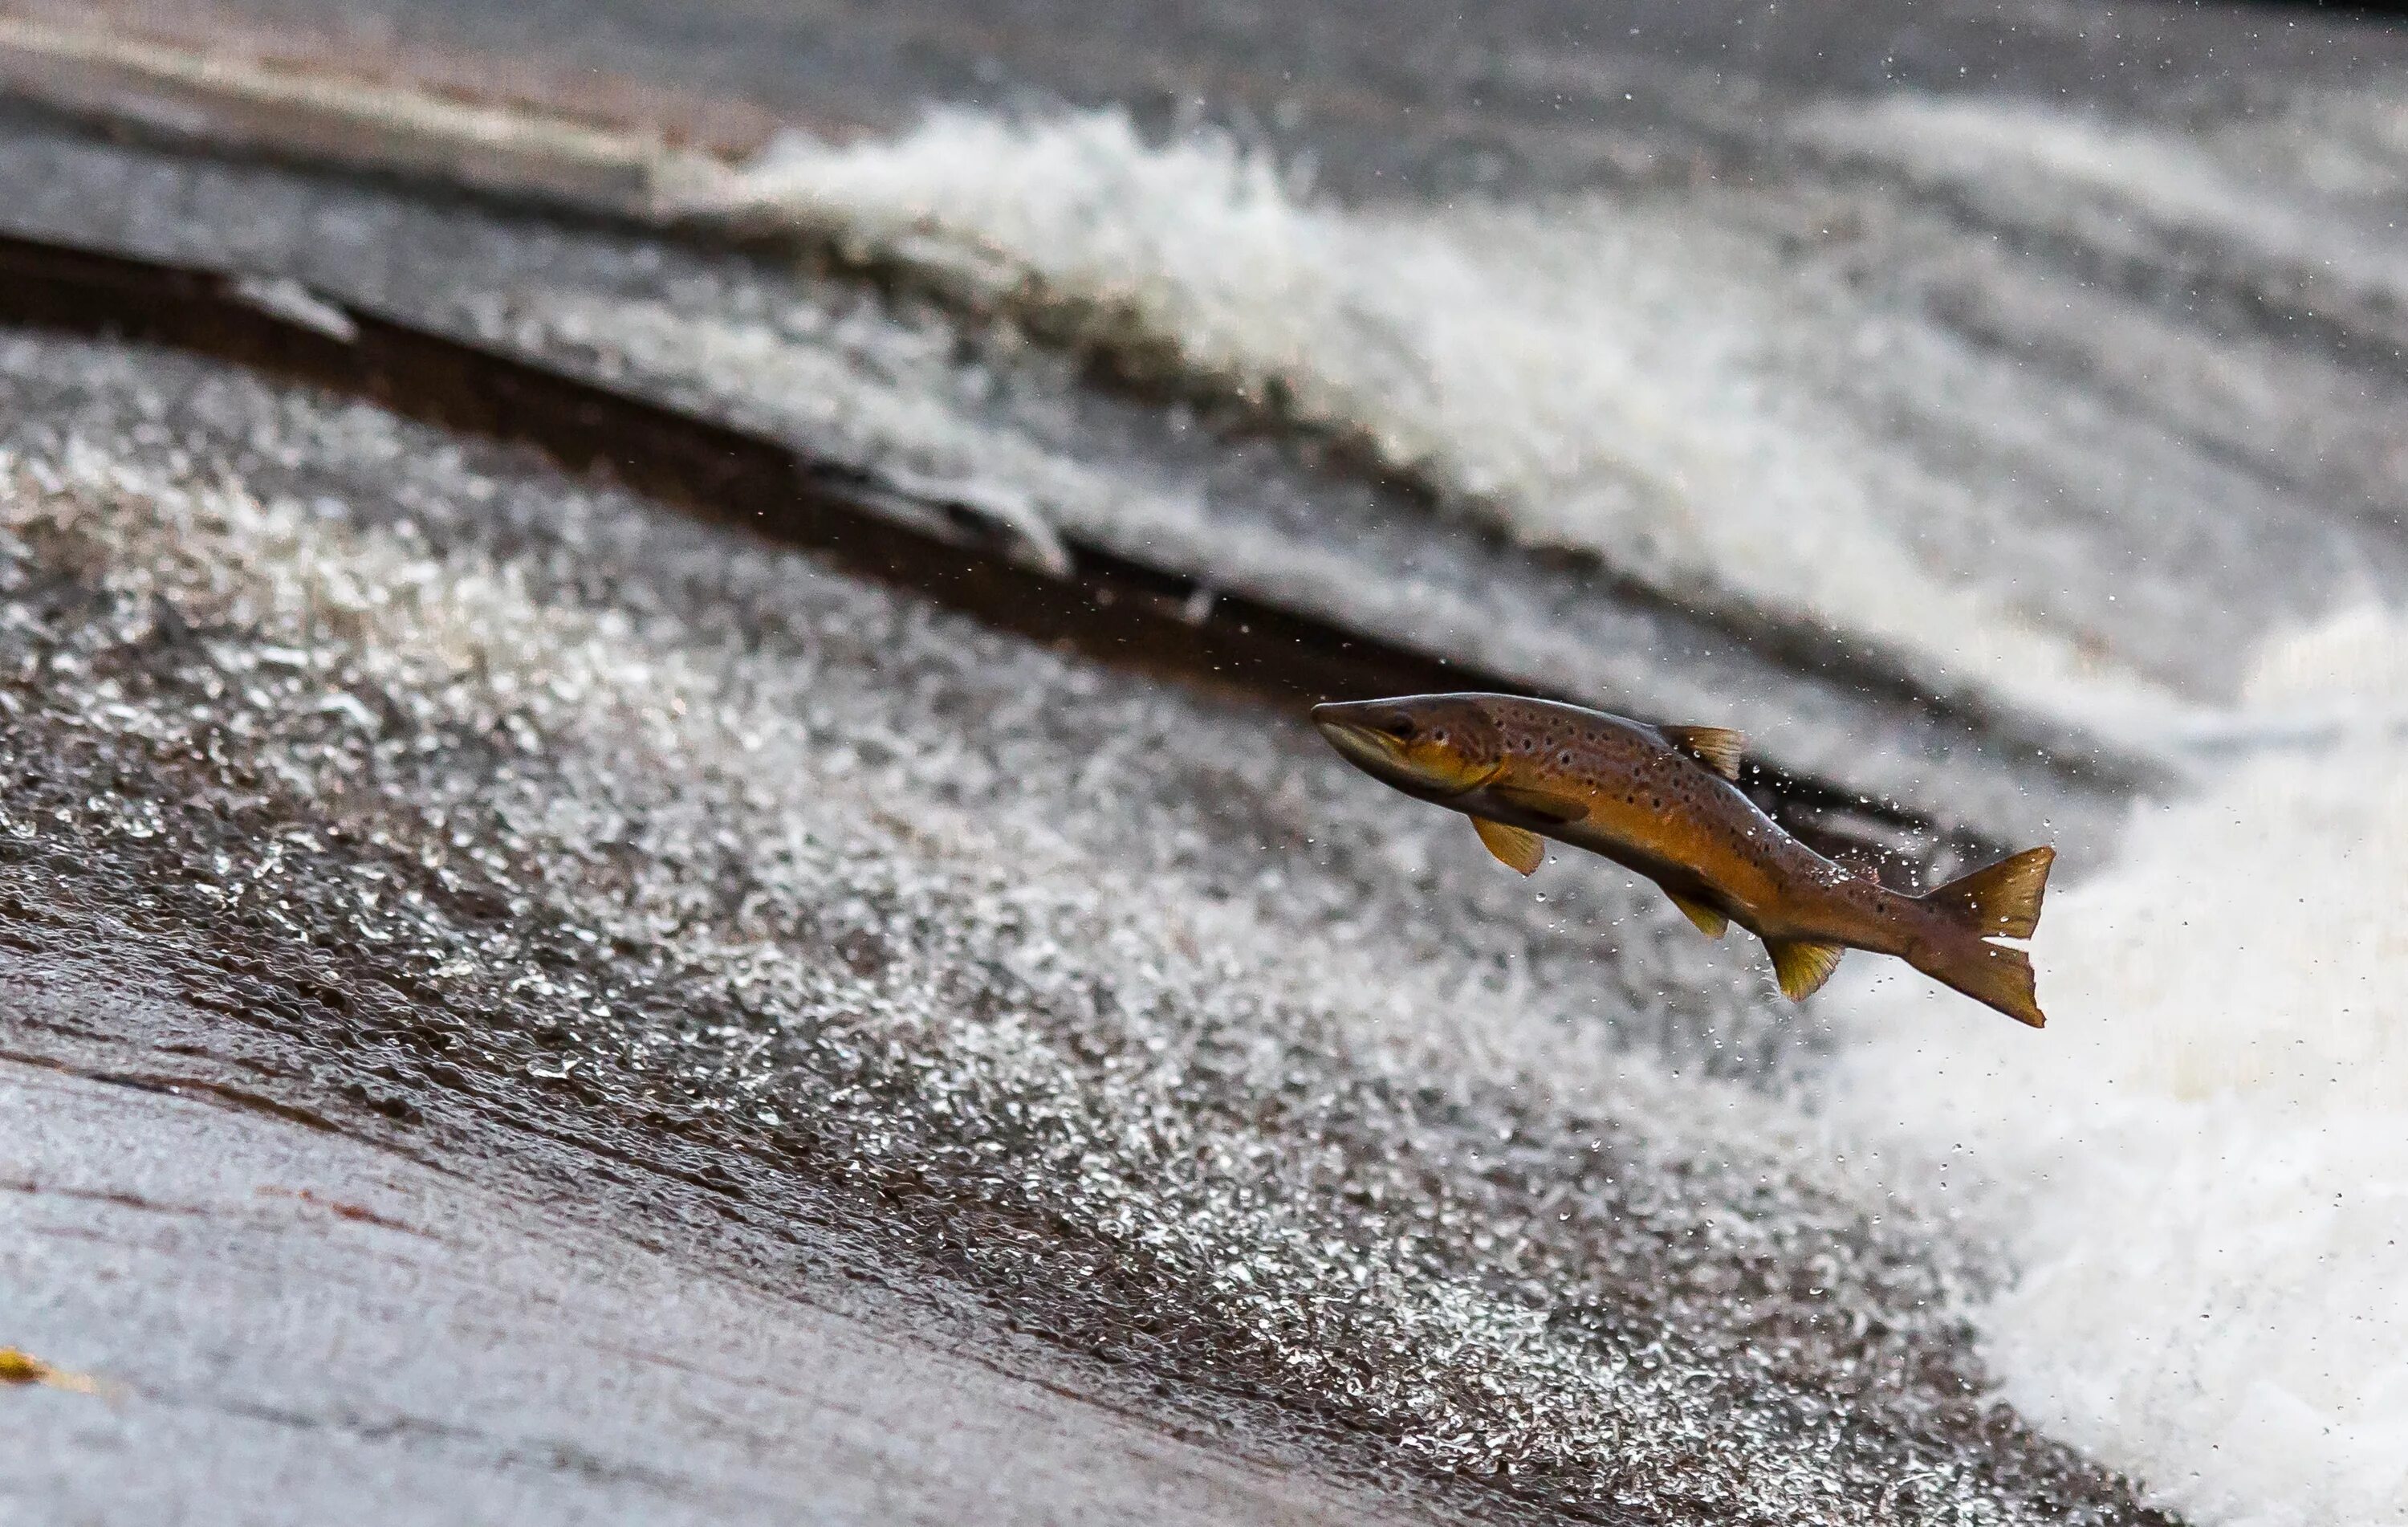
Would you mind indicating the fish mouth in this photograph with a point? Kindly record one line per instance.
(1383, 757)
(1359, 745)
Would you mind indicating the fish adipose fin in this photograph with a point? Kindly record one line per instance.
(2002, 901)
(1709, 922)
(1803, 966)
(1518, 847)
(1717, 748)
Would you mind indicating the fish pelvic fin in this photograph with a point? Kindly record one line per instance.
(1993, 975)
(1517, 848)
(1716, 747)
(1802, 968)
(2002, 901)
(1709, 922)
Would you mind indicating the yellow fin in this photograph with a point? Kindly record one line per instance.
(2002, 900)
(1543, 803)
(1997, 975)
(1709, 922)
(1803, 966)
(1517, 848)
(1717, 748)
(18, 1367)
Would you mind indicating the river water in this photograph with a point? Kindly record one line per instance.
(2060, 436)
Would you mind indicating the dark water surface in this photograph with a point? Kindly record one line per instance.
(1048, 1017)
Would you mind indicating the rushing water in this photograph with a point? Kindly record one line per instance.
(1159, 1031)
(2201, 1178)
(1141, 1017)
(1888, 398)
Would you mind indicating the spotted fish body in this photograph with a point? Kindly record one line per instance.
(1660, 801)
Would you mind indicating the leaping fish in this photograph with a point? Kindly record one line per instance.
(1662, 802)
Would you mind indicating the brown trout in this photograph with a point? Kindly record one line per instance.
(1661, 800)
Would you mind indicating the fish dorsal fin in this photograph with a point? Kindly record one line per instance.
(1546, 804)
(1716, 747)
(1803, 966)
(1518, 848)
(1709, 922)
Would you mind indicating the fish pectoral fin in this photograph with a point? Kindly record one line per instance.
(1539, 803)
(1518, 848)
(1716, 747)
(1709, 922)
(1803, 966)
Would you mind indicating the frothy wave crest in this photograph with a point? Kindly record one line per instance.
(2201, 1168)
(1584, 372)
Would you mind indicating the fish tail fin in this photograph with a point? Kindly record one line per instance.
(2002, 901)
(1992, 975)
(1999, 902)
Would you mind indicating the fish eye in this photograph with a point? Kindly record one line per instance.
(1401, 727)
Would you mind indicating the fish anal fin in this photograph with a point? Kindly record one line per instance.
(1517, 848)
(2002, 901)
(1716, 747)
(1543, 804)
(1709, 922)
(1803, 967)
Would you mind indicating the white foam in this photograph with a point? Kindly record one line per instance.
(1587, 373)
(2201, 1170)
(2200, 1167)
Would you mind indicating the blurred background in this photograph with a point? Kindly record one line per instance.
(658, 859)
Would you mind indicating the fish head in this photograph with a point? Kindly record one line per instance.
(1429, 745)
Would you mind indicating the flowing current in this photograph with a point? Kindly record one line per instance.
(1900, 387)
(2197, 1173)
